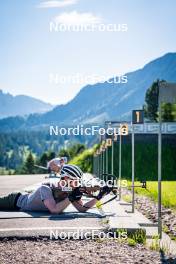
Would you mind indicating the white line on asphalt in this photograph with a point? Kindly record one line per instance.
(48, 228)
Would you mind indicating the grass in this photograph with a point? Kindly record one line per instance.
(162, 246)
(4, 171)
(139, 236)
(84, 160)
(131, 242)
(168, 192)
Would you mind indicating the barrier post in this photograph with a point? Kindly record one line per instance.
(133, 194)
(112, 157)
(120, 164)
(137, 118)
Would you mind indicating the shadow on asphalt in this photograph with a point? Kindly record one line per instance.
(62, 216)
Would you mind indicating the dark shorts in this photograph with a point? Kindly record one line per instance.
(9, 202)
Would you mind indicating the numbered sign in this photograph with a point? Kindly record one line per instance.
(123, 129)
(108, 142)
(138, 116)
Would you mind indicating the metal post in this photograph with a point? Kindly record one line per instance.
(132, 135)
(107, 160)
(100, 165)
(159, 172)
(103, 161)
(120, 164)
(96, 168)
(112, 157)
(98, 171)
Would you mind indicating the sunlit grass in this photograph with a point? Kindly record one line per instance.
(168, 192)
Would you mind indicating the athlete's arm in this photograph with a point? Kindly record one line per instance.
(84, 207)
(54, 207)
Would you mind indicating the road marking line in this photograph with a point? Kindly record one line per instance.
(48, 228)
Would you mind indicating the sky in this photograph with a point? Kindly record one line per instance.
(31, 54)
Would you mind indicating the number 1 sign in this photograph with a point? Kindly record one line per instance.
(138, 117)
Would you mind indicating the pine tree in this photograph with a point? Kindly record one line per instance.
(167, 115)
(151, 102)
(43, 160)
(29, 164)
(51, 155)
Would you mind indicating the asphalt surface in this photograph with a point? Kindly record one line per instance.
(11, 183)
(18, 224)
(69, 224)
(46, 227)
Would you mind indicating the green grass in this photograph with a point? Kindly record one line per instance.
(168, 192)
(84, 160)
(4, 171)
(131, 242)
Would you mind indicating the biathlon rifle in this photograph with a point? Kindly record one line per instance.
(90, 191)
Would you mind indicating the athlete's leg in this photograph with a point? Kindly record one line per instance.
(8, 202)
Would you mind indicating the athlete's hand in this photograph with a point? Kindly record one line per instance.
(104, 191)
(75, 195)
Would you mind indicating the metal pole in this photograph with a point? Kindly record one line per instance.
(95, 165)
(103, 160)
(132, 135)
(120, 164)
(112, 157)
(100, 165)
(103, 163)
(107, 160)
(96, 169)
(159, 172)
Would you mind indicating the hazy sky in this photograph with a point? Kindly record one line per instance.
(29, 52)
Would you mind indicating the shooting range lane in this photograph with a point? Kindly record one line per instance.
(26, 224)
(30, 224)
(42, 224)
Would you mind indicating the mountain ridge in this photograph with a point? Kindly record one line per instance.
(156, 69)
(9, 105)
(104, 101)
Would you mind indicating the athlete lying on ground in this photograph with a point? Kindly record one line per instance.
(42, 199)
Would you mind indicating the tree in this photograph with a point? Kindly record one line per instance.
(72, 151)
(29, 164)
(44, 159)
(64, 153)
(51, 155)
(76, 149)
(151, 102)
(167, 115)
